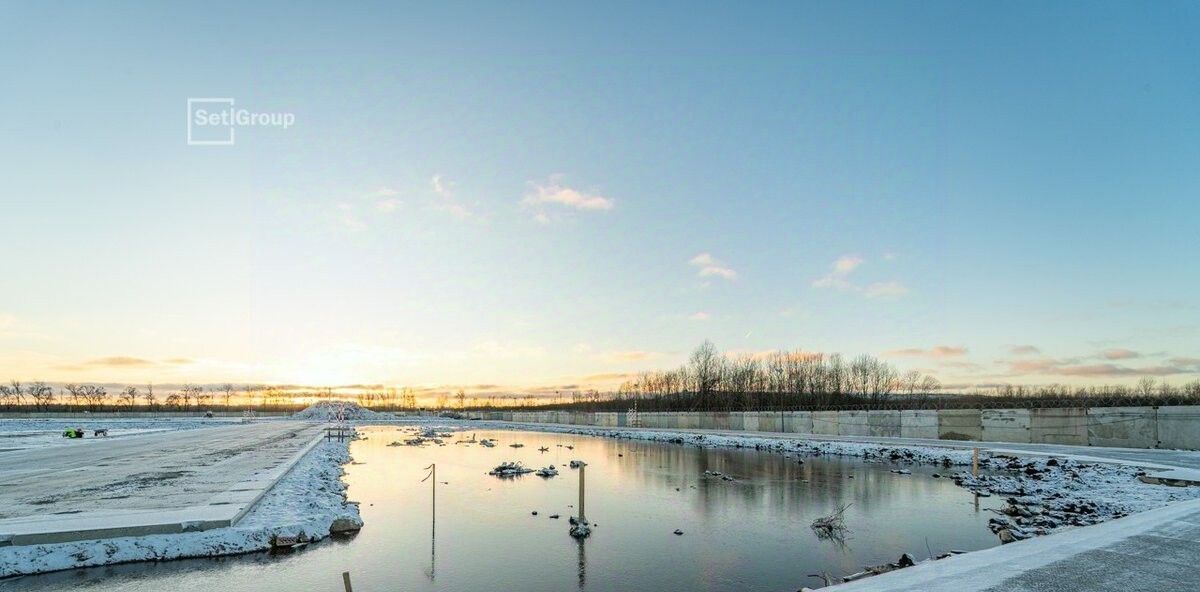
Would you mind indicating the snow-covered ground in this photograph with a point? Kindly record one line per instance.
(305, 502)
(35, 433)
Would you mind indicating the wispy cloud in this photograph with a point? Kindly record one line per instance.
(699, 316)
(120, 361)
(839, 275)
(1119, 354)
(840, 270)
(1056, 367)
(885, 290)
(709, 266)
(632, 356)
(937, 351)
(441, 186)
(1023, 350)
(553, 193)
(349, 218)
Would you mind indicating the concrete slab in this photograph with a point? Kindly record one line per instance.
(919, 424)
(151, 484)
(1179, 427)
(1005, 425)
(1059, 426)
(959, 424)
(1133, 427)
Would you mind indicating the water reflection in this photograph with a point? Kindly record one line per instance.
(748, 533)
(431, 574)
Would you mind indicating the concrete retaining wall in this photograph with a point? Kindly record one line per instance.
(825, 423)
(1059, 426)
(920, 423)
(884, 424)
(1123, 427)
(1126, 427)
(798, 422)
(1005, 425)
(959, 424)
(853, 423)
(1179, 427)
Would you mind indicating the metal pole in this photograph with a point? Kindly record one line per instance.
(346, 581)
(975, 462)
(582, 518)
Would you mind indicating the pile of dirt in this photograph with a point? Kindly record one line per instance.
(333, 410)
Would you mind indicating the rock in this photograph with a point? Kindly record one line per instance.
(1006, 536)
(346, 523)
(678, 532)
(535, 512)
(906, 560)
(554, 516)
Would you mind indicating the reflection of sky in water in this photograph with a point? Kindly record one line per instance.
(750, 534)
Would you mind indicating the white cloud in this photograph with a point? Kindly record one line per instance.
(710, 266)
(839, 271)
(552, 192)
(349, 218)
(388, 205)
(699, 316)
(441, 186)
(839, 278)
(885, 290)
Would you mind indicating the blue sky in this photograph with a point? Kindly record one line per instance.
(537, 195)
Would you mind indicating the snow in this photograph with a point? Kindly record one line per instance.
(304, 502)
(349, 410)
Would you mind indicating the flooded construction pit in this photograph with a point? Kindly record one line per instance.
(750, 531)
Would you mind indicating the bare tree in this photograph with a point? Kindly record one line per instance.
(128, 396)
(41, 393)
(148, 396)
(227, 391)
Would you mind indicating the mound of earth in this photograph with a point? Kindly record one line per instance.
(330, 410)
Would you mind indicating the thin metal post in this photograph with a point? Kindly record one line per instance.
(582, 515)
(346, 581)
(975, 462)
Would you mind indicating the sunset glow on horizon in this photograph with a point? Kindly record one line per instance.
(503, 200)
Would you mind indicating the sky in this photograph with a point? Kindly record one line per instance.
(552, 195)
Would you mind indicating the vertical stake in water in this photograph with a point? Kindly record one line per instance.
(582, 515)
(433, 520)
(975, 462)
(580, 527)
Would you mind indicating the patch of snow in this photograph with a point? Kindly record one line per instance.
(304, 504)
(348, 410)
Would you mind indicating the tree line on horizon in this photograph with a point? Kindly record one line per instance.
(708, 380)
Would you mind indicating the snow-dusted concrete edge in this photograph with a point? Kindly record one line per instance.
(987, 568)
(304, 500)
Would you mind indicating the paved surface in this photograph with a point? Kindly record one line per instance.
(1157, 551)
(1151, 551)
(146, 484)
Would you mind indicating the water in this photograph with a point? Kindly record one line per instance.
(749, 534)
